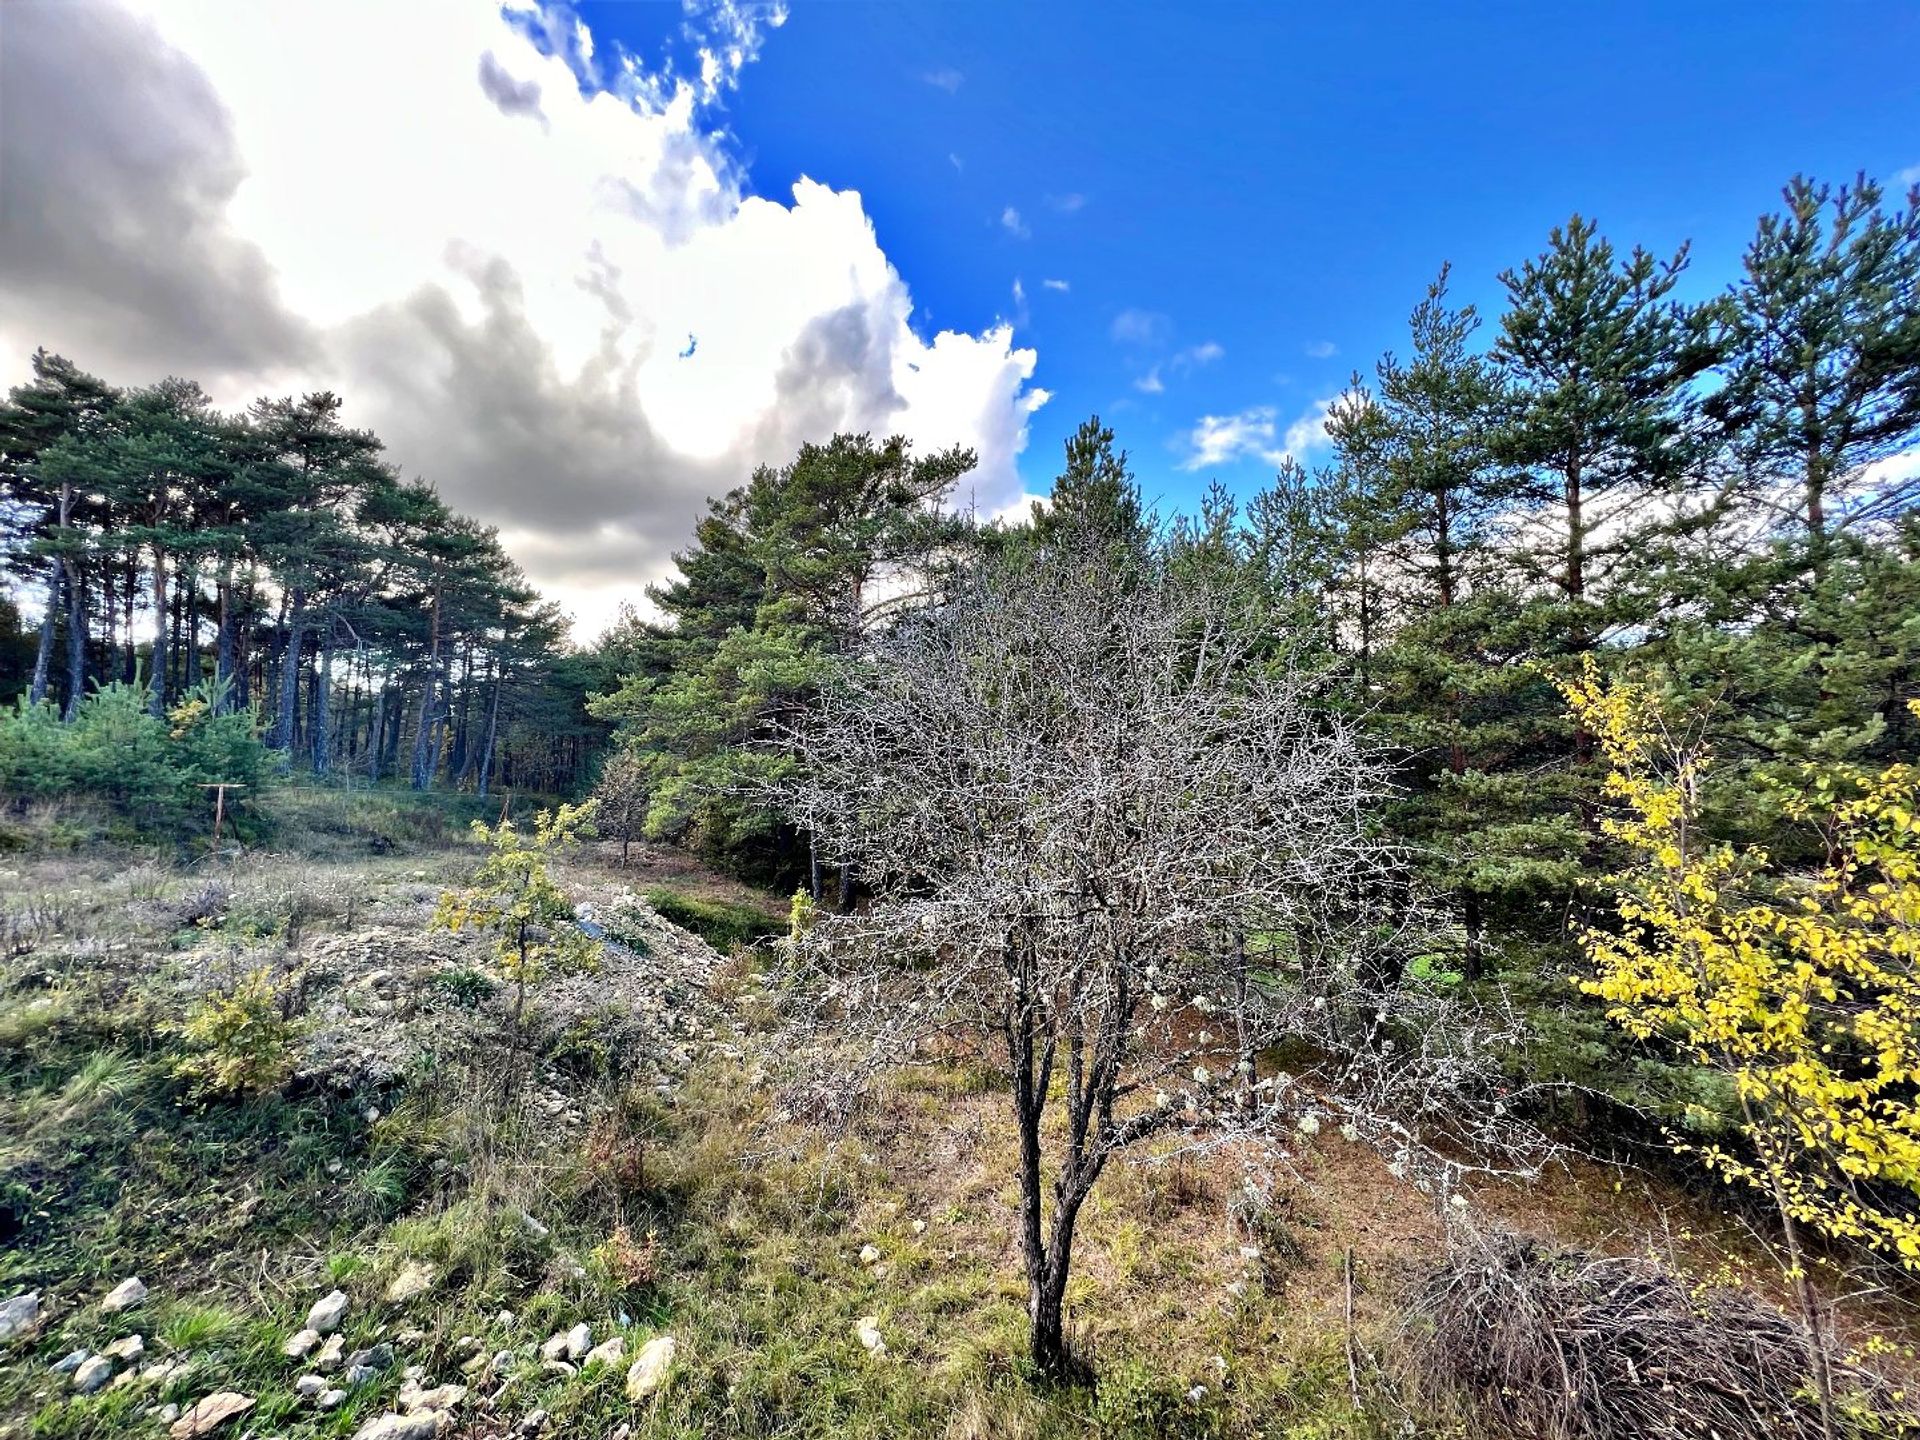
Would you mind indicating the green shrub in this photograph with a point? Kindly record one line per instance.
(149, 770)
(240, 1043)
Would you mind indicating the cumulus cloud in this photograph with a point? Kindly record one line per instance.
(1254, 434)
(1908, 176)
(348, 194)
(1322, 350)
(1011, 222)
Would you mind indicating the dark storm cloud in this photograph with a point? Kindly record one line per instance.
(513, 97)
(117, 162)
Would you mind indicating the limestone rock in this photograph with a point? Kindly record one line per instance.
(607, 1352)
(331, 1399)
(124, 1296)
(579, 1341)
(649, 1369)
(308, 1386)
(867, 1332)
(19, 1314)
(330, 1353)
(91, 1374)
(421, 1426)
(440, 1397)
(869, 1255)
(70, 1362)
(535, 1422)
(300, 1344)
(327, 1312)
(414, 1279)
(210, 1414)
(127, 1347)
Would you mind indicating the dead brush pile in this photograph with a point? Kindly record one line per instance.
(1549, 1342)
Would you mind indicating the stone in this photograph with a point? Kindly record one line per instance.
(867, 1332)
(124, 1296)
(91, 1374)
(127, 1347)
(504, 1319)
(869, 1255)
(414, 1374)
(331, 1399)
(19, 1313)
(502, 1361)
(554, 1346)
(308, 1386)
(535, 1422)
(330, 1353)
(422, 1426)
(533, 1227)
(621, 1431)
(607, 1352)
(649, 1369)
(414, 1280)
(375, 1358)
(467, 1345)
(210, 1413)
(439, 1397)
(71, 1362)
(167, 1413)
(327, 1312)
(361, 1374)
(579, 1341)
(300, 1343)
(919, 1227)
(558, 1367)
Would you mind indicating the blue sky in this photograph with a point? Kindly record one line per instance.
(1213, 214)
(1279, 183)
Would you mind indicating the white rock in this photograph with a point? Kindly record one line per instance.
(18, 1313)
(919, 1227)
(869, 1255)
(330, 1352)
(124, 1296)
(649, 1369)
(554, 1346)
(210, 1413)
(128, 1347)
(413, 1280)
(867, 1332)
(167, 1413)
(308, 1386)
(440, 1397)
(331, 1399)
(71, 1362)
(535, 1422)
(579, 1341)
(92, 1374)
(327, 1312)
(607, 1352)
(300, 1343)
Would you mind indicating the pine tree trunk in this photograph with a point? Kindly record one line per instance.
(157, 678)
(76, 639)
(493, 729)
(223, 655)
(320, 719)
(424, 755)
(49, 619)
(290, 672)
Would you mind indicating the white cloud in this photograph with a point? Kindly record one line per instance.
(945, 78)
(1071, 203)
(1254, 434)
(1150, 383)
(1908, 176)
(1060, 285)
(1011, 222)
(494, 242)
(1322, 350)
(1202, 354)
(1140, 327)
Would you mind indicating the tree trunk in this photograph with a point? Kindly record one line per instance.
(320, 717)
(49, 619)
(223, 638)
(424, 755)
(493, 728)
(76, 639)
(157, 678)
(290, 672)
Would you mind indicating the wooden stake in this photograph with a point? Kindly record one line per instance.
(1353, 1369)
(220, 806)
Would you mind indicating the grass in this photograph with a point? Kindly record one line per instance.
(721, 923)
(701, 1215)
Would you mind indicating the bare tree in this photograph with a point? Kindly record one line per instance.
(1115, 844)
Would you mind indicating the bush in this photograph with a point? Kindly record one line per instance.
(1553, 1343)
(240, 1042)
(147, 769)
